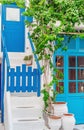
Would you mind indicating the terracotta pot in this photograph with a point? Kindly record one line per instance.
(60, 108)
(28, 62)
(68, 121)
(54, 122)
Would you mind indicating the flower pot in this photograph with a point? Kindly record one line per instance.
(54, 122)
(28, 62)
(68, 121)
(60, 108)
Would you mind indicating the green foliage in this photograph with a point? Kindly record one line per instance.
(81, 36)
(54, 95)
(20, 3)
(45, 97)
(29, 57)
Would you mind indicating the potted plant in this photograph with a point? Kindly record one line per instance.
(28, 59)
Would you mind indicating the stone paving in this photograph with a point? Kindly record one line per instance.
(1, 127)
(77, 127)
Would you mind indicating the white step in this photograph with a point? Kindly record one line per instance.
(27, 112)
(26, 124)
(25, 94)
(26, 101)
(1, 126)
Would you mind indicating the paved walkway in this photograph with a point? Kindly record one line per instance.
(77, 127)
(1, 127)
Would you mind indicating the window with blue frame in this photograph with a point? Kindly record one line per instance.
(73, 61)
(59, 74)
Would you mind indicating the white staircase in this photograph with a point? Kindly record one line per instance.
(23, 112)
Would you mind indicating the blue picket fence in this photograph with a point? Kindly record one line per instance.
(23, 79)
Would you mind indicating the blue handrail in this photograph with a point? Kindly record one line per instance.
(35, 56)
(5, 57)
(5, 51)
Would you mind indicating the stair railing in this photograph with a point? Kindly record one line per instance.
(35, 56)
(5, 62)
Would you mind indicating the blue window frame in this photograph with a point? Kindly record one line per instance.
(70, 65)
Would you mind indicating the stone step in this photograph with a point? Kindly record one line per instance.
(28, 124)
(24, 112)
(25, 94)
(26, 101)
(2, 126)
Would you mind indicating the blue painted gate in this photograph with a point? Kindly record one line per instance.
(23, 79)
(13, 27)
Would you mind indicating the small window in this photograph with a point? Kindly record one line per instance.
(81, 74)
(80, 61)
(12, 14)
(60, 74)
(60, 87)
(81, 87)
(72, 74)
(72, 61)
(59, 61)
(72, 87)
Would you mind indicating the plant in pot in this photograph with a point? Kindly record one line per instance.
(28, 59)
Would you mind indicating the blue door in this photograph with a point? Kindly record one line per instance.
(13, 27)
(75, 86)
(71, 86)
